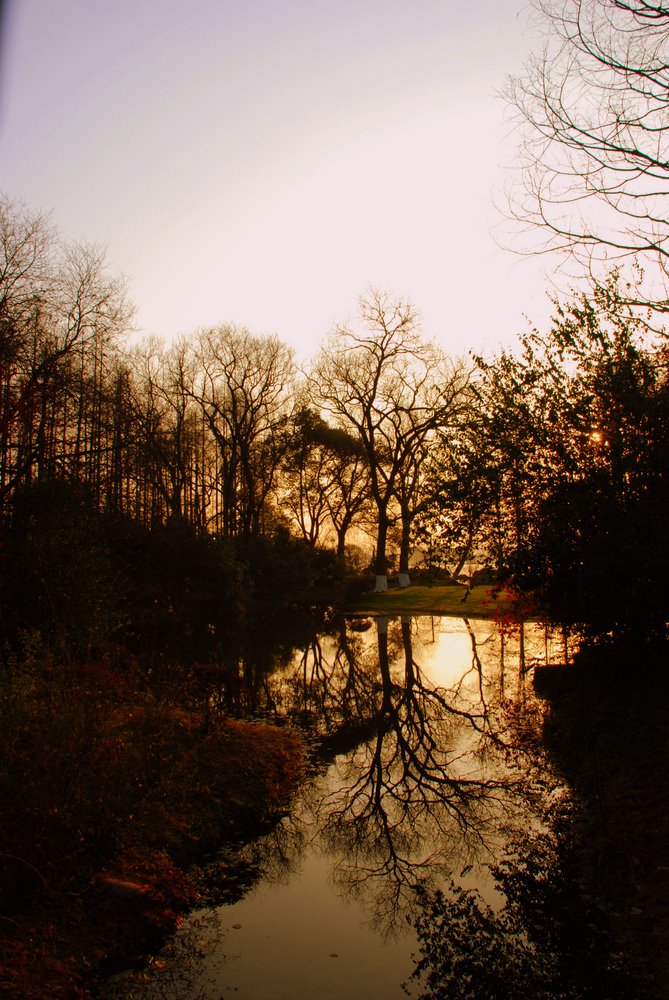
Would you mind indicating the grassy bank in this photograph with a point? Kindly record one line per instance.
(457, 600)
(106, 794)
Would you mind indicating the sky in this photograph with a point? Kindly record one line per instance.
(264, 163)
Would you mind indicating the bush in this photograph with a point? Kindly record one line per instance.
(283, 567)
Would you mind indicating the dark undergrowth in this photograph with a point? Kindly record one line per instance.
(585, 899)
(608, 733)
(122, 651)
(548, 940)
(107, 792)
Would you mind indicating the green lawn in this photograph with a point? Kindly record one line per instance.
(431, 600)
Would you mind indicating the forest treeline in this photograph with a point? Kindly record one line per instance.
(545, 464)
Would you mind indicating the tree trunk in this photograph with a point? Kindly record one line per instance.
(409, 674)
(384, 663)
(341, 545)
(464, 555)
(380, 567)
(405, 550)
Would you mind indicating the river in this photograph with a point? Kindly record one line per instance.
(418, 782)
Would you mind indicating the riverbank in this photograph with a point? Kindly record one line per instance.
(438, 599)
(103, 809)
(607, 731)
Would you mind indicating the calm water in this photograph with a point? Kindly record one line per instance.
(416, 780)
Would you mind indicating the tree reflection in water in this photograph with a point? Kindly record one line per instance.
(419, 784)
(413, 782)
(423, 796)
(546, 941)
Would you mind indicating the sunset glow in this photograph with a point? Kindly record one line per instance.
(265, 164)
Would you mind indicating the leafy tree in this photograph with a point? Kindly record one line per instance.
(327, 478)
(307, 473)
(72, 593)
(348, 501)
(456, 517)
(582, 413)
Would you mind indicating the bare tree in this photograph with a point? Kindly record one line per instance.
(409, 804)
(60, 313)
(450, 411)
(392, 389)
(594, 111)
(244, 391)
(88, 313)
(164, 387)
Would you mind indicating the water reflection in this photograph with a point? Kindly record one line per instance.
(418, 798)
(415, 779)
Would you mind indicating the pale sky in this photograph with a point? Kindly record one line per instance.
(264, 163)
